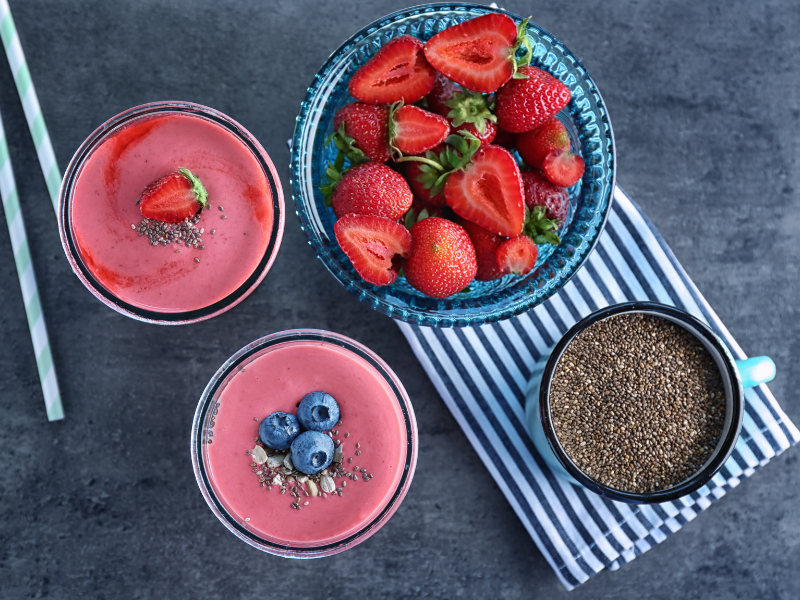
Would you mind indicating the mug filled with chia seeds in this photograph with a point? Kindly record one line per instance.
(639, 402)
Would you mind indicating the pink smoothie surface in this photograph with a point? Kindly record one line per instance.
(276, 381)
(156, 277)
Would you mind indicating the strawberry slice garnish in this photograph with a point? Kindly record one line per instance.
(540, 192)
(374, 245)
(442, 259)
(413, 130)
(368, 126)
(486, 244)
(480, 54)
(174, 197)
(372, 189)
(488, 191)
(517, 255)
(535, 145)
(524, 104)
(563, 168)
(398, 71)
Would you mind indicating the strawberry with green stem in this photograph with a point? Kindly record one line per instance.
(174, 197)
(481, 53)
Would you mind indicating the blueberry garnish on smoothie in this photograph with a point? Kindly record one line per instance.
(318, 411)
(306, 465)
(312, 452)
(279, 430)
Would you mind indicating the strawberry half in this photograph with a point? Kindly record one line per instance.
(372, 189)
(173, 198)
(442, 259)
(524, 104)
(540, 192)
(563, 168)
(398, 71)
(374, 245)
(535, 145)
(368, 126)
(517, 255)
(486, 244)
(479, 53)
(488, 191)
(413, 130)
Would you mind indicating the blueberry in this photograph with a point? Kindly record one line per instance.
(312, 451)
(279, 430)
(318, 411)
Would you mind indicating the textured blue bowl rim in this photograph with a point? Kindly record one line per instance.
(446, 319)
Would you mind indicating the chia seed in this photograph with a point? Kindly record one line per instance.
(637, 403)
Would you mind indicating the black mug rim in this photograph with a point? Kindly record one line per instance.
(720, 454)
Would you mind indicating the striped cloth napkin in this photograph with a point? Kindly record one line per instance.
(482, 374)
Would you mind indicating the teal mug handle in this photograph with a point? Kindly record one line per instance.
(755, 371)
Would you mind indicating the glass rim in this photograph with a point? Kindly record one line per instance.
(100, 135)
(512, 302)
(207, 403)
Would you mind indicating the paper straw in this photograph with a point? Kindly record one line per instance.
(27, 283)
(30, 103)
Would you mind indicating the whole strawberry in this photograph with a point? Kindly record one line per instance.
(442, 91)
(422, 177)
(486, 244)
(535, 145)
(442, 260)
(540, 192)
(368, 126)
(524, 104)
(486, 136)
(372, 189)
(174, 197)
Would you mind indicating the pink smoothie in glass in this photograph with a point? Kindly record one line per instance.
(157, 277)
(276, 381)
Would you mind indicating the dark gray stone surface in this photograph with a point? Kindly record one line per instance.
(705, 101)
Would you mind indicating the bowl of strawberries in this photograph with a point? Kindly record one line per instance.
(452, 165)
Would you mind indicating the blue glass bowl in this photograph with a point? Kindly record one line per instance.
(586, 120)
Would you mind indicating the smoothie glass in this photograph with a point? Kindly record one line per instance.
(210, 137)
(221, 490)
(736, 375)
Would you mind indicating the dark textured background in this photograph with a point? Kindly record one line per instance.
(705, 102)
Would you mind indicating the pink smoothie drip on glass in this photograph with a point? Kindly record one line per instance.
(276, 381)
(156, 277)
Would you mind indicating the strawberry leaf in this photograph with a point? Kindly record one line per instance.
(524, 42)
(470, 107)
(540, 229)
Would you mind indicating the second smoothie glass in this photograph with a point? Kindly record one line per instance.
(202, 434)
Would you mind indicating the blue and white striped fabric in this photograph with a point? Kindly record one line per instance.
(482, 374)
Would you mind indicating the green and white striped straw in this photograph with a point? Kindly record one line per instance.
(30, 103)
(27, 282)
